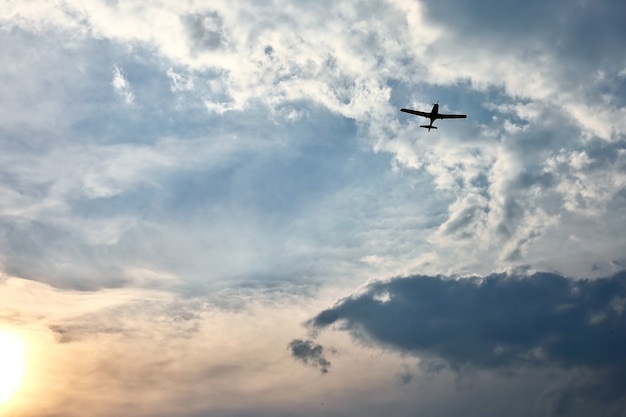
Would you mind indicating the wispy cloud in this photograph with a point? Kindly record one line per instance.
(121, 86)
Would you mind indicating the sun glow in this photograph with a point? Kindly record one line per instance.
(12, 366)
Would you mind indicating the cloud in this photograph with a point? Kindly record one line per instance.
(309, 352)
(505, 175)
(498, 322)
(493, 321)
(258, 147)
(189, 355)
(121, 86)
(206, 31)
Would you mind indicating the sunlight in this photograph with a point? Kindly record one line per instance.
(12, 365)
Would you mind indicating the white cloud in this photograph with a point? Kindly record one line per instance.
(353, 60)
(121, 86)
(180, 81)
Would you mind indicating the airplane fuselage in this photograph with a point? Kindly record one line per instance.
(433, 115)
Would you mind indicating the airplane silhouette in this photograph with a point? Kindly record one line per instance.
(434, 115)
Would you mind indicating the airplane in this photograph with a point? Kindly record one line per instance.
(434, 115)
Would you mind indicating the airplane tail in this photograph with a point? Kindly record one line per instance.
(428, 127)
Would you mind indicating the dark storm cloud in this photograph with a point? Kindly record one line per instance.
(500, 322)
(309, 352)
(503, 323)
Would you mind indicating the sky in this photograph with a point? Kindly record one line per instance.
(217, 208)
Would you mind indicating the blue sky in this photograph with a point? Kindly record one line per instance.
(216, 208)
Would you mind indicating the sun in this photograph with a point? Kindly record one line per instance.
(12, 366)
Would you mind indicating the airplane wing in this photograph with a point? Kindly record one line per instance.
(451, 116)
(416, 112)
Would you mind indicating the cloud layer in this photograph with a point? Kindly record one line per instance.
(232, 114)
(499, 322)
(182, 184)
